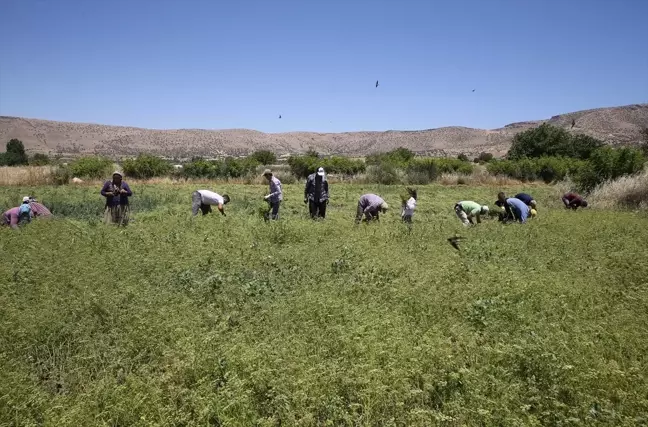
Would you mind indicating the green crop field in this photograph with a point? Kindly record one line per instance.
(229, 321)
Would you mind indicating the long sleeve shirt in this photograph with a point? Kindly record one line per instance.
(11, 217)
(116, 198)
(276, 193)
(311, 189)
(370, 203)
(519, 208)
(526, 198)
(39, 209)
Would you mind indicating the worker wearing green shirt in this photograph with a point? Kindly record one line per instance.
(467, 210)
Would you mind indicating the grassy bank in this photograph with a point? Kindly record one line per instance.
(229, 321)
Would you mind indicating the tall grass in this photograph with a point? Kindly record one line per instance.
(626, 191)
(26, 175)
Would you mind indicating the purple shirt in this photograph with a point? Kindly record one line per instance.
(276, 193)
(370, 203)
(121, 199)
(11, 217)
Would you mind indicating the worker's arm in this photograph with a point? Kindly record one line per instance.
(104, 190)
(308, 181)
(220, 209)
(126, 189)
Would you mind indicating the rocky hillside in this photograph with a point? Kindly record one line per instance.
(617, 125)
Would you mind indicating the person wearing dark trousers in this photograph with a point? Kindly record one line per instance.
(316, 194)
(274, 197)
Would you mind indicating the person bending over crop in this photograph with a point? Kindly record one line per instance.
(519, 210)
(573, 201)
(370, 206)
(527, 199)
(116, 193)
(275, 196)
(316, 193)
(467, 210)
(203, 200)
(408, 206)
(11, 218)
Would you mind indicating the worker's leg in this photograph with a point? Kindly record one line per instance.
(359, 213)
(322, 210)
(312, 208)
(462, 216)
(275, 210)
(196, 201)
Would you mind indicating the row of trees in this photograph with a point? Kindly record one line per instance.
(545, 153)
(15, 155)
(551, 154)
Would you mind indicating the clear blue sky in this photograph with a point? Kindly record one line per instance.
(240, 63)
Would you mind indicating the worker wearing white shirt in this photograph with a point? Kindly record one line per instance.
(205, 199)
(409, 206)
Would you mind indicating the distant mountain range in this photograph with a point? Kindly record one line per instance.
(615, 125)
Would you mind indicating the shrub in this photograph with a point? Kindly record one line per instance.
(547, 140)
(146, 166)
(15, 155)
(91, 167)
(386, 174)
(608, 163)
(302, 166)
(39, 159)
(61, 175)
(462, 157)
(547, 169)
(398, 157)
(227, 168)
(485, 157)
(264, 157)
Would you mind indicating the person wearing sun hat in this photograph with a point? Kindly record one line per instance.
(116, 192)
(316, 193)
(25, 212)
(370, 206)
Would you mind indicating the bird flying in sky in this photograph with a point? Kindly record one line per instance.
(279, 115)
(376, 83)
(473, 90)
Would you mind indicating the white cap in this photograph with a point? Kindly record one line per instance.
(320, 171)
(484, 209)
(117, 173)
(25, 199)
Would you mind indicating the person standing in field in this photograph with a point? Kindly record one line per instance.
(573, 201)
(203, 200)
(408, 207)
(274, 197)
(467, 210)
(316, 194)
(370, 206)
(116, 192)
